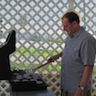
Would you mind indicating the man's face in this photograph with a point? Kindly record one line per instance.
(67, 26)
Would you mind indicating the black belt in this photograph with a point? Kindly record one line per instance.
(65, 93)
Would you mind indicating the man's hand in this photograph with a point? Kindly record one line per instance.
(53, 58)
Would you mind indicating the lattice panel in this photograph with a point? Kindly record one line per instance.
(94, 86)
(39, 32)
(5, 89)
(37, 24)
(87, 10)
(53, 82)
(53, 79)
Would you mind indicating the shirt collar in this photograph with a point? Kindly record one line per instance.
(76, 34)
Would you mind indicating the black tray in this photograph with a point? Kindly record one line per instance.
(21, 81)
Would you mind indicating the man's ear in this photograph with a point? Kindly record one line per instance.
(74, 23)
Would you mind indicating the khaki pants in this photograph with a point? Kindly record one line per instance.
(86, 93)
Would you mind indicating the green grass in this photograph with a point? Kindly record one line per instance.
(32, 51)
(35, 53)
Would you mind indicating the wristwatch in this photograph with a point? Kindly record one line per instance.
(82, 88)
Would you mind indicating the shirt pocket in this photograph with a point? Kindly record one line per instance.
(74, 53)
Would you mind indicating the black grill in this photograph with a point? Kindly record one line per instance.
(23, 81)
(20, 80)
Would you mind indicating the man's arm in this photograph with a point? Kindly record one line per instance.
(84, 80)
(86, 75)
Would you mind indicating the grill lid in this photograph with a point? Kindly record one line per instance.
(5, 50)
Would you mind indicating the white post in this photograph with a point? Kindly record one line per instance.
(71, 4)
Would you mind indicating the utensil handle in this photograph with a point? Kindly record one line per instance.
(42, 65)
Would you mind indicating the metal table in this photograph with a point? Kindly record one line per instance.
(34, 93)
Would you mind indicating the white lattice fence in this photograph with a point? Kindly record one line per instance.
(87, 10)
(94, 85)
(53, 81)
(5, 89)
(39, 32)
